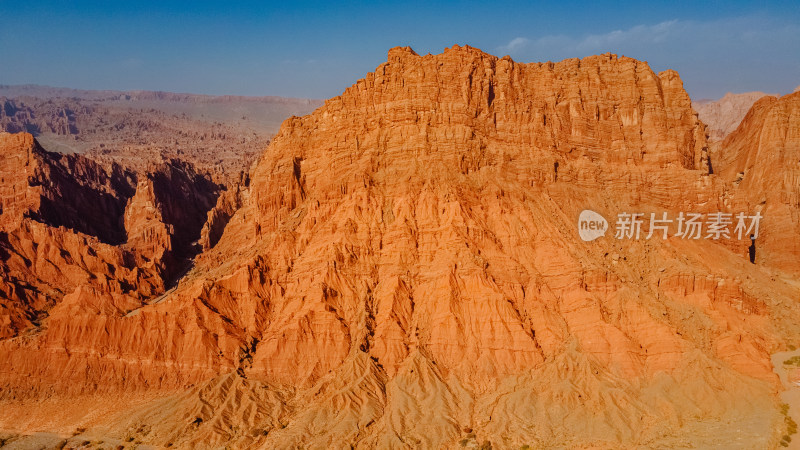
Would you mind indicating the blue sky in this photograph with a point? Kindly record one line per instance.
(317, 49)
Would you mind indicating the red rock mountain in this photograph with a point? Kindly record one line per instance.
(403, 270)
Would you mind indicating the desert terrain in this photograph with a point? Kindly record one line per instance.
(400, 266)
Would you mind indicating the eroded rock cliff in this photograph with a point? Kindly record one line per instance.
(403, 269)
(68, 225)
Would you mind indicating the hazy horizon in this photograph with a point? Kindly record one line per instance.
(316, 49)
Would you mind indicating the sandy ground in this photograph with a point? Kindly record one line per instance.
(38, 441)
(791, 393)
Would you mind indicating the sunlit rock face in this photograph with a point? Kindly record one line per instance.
(403, 269)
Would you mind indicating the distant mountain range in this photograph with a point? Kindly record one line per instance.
(724, 115)
(218, 133)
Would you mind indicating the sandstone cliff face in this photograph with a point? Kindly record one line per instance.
(403, 270)
(761, 158)
(43, 195)
(65, 225)
(62, 190)
(227, 204)
(165, 217)
(724, 115)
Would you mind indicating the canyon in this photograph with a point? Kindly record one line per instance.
(401, 268)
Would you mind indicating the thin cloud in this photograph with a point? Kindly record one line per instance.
(515, 44)
(639, 34)
(654, 34)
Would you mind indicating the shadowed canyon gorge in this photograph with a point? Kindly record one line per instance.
(401, 267)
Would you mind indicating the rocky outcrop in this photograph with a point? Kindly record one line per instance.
(218, 217)
(165, 217)
(61, 190)
(405, 271)
(60, 219)
(67, 224)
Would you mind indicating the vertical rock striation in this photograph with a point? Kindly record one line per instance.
(403, 269)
